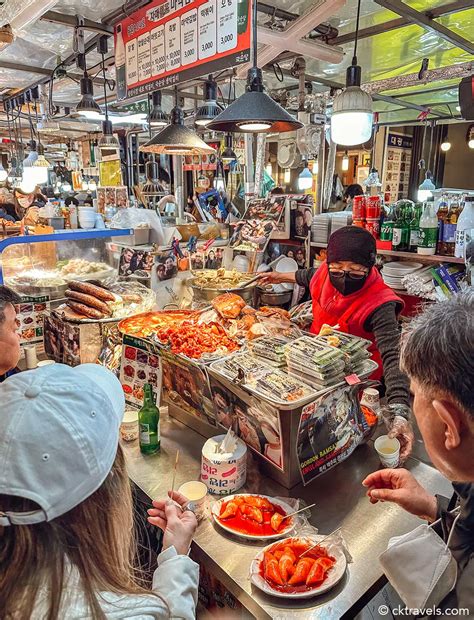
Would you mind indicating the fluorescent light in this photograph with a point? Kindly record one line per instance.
(269, 169)
(287, 175)
(315, 168)
(345, 162)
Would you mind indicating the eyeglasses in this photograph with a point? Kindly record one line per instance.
(355, 275)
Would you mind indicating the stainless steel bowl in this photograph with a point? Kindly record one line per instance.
(208, 294)
(270, 298)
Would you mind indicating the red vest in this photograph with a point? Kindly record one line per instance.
(350, 312)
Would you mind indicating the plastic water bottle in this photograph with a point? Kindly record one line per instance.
(464, 225)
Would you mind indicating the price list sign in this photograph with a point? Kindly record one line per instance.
(171, 41)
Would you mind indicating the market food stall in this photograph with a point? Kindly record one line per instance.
(155, 159)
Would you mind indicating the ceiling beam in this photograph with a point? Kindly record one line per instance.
(415, 17)
(375, 96)
(393, 24)
(15, 66)
(451, 72)
(71, 21)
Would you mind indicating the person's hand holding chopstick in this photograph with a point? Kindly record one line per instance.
(178, 524)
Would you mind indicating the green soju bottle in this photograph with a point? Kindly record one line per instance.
(149, 423)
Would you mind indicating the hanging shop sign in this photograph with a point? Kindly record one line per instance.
(171, 41)
(397, 165)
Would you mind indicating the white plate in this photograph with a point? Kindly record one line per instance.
(336, 573)
(216, 510)
(397, 269)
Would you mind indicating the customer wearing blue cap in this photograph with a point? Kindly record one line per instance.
(66, 523)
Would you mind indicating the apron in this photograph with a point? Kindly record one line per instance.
(350, 312)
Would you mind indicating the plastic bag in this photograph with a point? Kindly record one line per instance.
(137, 297)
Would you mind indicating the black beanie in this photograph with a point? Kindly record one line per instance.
(354, 244)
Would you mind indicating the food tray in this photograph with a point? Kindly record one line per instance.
(307, 350)
(270, 348)
(219, 367)
(349, 344)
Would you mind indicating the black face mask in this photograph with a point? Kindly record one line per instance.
(347, 285)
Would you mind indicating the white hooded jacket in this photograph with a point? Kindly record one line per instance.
(175, 589)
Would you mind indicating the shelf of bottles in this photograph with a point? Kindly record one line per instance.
(430, 258)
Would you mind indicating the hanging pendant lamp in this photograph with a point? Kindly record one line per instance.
(157, 118)
(176, 139)
(352, 117)
(228, 154)
(88, 106)
(255, 111)
(107, 139)
(208, 112)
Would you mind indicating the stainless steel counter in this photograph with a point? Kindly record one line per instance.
(341, 502)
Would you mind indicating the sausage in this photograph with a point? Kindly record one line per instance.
(87, 311)
(89, 300)
(91, 289)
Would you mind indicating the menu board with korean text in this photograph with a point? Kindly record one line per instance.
(171, 41)
(396, 169)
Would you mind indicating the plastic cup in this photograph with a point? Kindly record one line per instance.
(129, 425)
(388, 450)
(195, 492)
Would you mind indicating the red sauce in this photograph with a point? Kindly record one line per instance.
(298, 550)
(245, 525)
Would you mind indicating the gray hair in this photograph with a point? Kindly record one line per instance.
(438, 348)
(7, 296)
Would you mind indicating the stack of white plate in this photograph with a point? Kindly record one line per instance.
(320, 228)
(393, 273)
(339, 219)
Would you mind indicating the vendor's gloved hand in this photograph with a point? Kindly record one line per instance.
(396, 417)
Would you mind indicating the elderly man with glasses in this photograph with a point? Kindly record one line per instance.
(347, 290)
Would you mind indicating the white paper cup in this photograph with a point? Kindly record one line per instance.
(388, 450)
(45, 363)
(129, 425)
(195, 492)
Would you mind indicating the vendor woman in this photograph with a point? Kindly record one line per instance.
(347, 290)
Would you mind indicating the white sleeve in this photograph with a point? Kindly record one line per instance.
(176, 581)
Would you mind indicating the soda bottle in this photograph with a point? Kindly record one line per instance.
(443, 211)
(415, 227)
(449, 228)
(149, 423)
(428, 230)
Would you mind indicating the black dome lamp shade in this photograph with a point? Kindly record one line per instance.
(207, 112)
(158, 118)
(87, 104)
(255, 111)
(176, 139)
(228, 154)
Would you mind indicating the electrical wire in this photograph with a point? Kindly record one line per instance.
(279, 75)
(354, 57)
